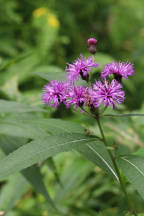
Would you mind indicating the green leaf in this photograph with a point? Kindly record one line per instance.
(103, 59)
(39, 150)
(74, 174)
(32, 174)
(140, 152)
(34, 177)
(35, 128)
(50, 73)
(13, 107)
(133, 168)
(52, 167)
(12, 191)
(15, 60)
(124, 115)
(18, 129)
(97, 154)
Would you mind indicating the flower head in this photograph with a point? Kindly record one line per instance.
(77, 96)
(92, 42)
(121, 69)
(108, 93)
(92, 98)
(55, 93)
(81, 67)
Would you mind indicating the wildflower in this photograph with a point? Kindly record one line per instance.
(119, 70)
(55, 93)
(92, 42)
(77, 96)
(81, 67)
(108, 93)
(93, 98)
(40, 12)
(53, 21)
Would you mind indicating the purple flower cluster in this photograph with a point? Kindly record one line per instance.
(106, 92)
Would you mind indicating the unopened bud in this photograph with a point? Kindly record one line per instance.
(92, 43)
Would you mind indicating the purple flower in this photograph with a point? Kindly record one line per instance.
(55, 93)
(93, 98)
(121, 69)
(109, 93)
(77, 96)
(81, 67)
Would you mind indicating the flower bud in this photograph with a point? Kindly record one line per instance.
(92, 43)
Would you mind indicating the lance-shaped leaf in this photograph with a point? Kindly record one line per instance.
(32, 174)
(14, 107)
(133, 168)
(97, 154)
(34, 128)
(12, 191)
(124, 115)
(39, 150)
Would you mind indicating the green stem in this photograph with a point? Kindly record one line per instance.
(116, 168)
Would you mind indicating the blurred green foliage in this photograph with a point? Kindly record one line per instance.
(38, 37)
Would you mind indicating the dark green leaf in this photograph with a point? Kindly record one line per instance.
(12, 191)
(133, 168)
(124, 115)
(39, 150)
(34, 128)
(32, 174)
(97, 154)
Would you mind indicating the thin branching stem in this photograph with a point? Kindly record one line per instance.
(116, 168)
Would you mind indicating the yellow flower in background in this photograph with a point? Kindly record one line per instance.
(40, 12)
(53, 21)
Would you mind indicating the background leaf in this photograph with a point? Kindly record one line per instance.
(133, 168)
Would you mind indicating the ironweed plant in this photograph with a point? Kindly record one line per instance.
(93, 99)
(29, 140)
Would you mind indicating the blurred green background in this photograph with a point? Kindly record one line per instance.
(40, 36)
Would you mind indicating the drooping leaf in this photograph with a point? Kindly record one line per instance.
(34, 177)
(39, 150)
(133, 168)
(124, 115)
(97, 154)
(32, 174)
(12, 191)
(14, 107)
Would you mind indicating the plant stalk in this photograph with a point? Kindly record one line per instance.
(116, 168)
